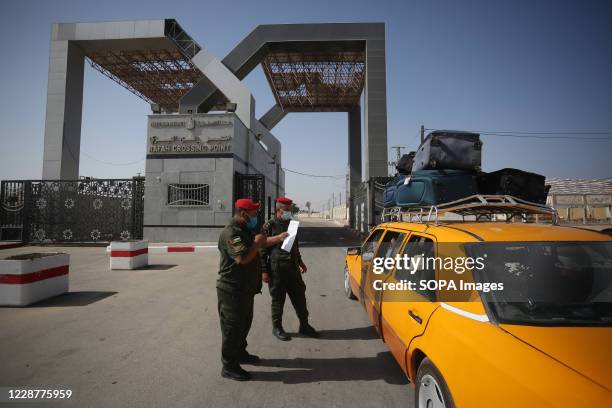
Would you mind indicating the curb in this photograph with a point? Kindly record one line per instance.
(11, 245)
(165, 249)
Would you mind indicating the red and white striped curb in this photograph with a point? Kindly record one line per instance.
(10, 245)
(164, 249)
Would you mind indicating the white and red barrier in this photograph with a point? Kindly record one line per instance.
(165, 249)
(30, 278)
(129, 254)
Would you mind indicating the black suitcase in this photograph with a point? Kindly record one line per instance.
(517, 183)
(449, 149)
(404, 165)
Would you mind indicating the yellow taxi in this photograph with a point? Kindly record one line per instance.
(544, 340)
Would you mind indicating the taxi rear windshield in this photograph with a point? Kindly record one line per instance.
(547, 283)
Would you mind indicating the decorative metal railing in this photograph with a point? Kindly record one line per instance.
(87, 210)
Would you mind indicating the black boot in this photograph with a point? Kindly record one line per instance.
(235, 373)
(280, 334)
(308, 330)
(249, 358)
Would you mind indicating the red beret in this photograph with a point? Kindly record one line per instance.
(284, 200)
(246, 204)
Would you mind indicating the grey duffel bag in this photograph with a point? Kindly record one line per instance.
(449, 150)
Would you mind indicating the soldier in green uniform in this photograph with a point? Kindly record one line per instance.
(240, 277)
(284, 274)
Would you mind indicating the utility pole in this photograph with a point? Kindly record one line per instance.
(333, 205)
(398, 155)
(422, 133)
(398, 152)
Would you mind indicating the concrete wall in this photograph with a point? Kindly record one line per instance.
(68, 45)
(62, 144)
(339, 212)
(167, 163)
(254, 158)
(161, 222)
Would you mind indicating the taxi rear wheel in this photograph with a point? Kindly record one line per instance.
(431, 389)
(347, 284)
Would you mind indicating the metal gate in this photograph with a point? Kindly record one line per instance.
(367, 203)
(251, 186)
(61, 211)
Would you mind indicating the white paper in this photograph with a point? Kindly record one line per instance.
(292, 231)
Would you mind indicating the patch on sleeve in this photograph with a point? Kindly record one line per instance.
(237, 245)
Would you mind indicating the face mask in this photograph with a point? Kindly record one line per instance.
(286, 216)
(252, 223)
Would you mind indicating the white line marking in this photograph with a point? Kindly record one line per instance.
(469, 315)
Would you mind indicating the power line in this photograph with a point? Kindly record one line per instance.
(112, 163)
(521, 136)
(314, 175)
(567, 135)
(559, 132)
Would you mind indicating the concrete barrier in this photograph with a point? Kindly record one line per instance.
(30, 278)
(168, 249)
(129, 254)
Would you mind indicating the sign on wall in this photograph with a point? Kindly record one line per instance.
(188, 135)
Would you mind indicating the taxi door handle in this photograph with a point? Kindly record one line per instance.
(416, 317)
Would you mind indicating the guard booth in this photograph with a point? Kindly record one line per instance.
(197, 166)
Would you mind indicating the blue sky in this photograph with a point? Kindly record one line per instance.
(493, 65)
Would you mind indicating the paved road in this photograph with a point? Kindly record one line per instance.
(150, 338)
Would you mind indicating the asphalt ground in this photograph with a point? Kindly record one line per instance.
(150, 337)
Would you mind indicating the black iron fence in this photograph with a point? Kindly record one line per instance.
(252, 186)
(86, 210)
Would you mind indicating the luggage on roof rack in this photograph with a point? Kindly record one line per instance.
(390, 191)
(404, 164)
(449, 149)
(479, 206)
(430, 187)
(514, 182)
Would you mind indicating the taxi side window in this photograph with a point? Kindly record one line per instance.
(418, 249)
(367, 251)
(390, 245)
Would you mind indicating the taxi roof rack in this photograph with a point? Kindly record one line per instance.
(482, 207)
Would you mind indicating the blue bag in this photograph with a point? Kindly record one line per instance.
(390, 191)
(430, 187)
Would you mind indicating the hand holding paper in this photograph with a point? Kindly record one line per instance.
(292, 231)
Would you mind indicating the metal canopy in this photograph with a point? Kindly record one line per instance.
(320, 77)
(159, 71)
(160, 77)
